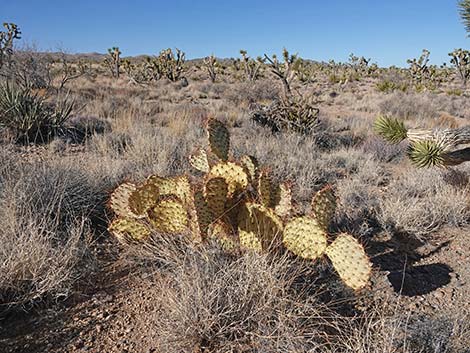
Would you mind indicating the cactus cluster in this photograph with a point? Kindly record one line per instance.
(239, 205)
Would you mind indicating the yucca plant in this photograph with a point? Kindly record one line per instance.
(464, 9)
(427, 148)
(29, 117)
(240, 206)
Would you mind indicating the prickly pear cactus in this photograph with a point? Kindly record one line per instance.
(350, 261)
(237, 205)
(324, 206)
(305, 238)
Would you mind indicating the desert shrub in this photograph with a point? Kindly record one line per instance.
(423, 107)
(253, 92)
(28, 117)
(79, 128)
(421, 201)
(46, 211)
(383, 151)
(290, 113)
(441, 334)
(388, 86)
(359, 196)
(209, 301)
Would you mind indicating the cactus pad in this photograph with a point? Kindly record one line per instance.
(143, 198)
(234, 176)
(178, 186)
(203, 214)
(223, 234)
(169, 215)
(282, 200)
(128, 229)
(219, 138)
(350, 261)
(265, 189)
(305, 238)
(119, 200)
(199, 161)
(250, 165)
(258, 227)
(324, 206)
(215, 193)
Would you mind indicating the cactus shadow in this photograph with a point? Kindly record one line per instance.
(420, 280)
(398, 257)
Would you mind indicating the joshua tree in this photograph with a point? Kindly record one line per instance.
(6, 41)
(170, 65)
(283, 71)
(211, 65)
(427, 148)
(460, 58)
(113, 61)
(252, 67)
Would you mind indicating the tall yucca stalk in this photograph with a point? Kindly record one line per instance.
(464, 9)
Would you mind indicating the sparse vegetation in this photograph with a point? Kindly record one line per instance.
(103, 223)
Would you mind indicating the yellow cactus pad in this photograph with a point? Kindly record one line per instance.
(249, 240)
(324, 206)
(350, 261)
(282, 201)
(199, 161)
(178, 186)
(169, 215)
(219, 138)
(128, 229)
(143, 198)
(265, 188)
(119, 200)
(258, 227)
(250, 165)
(223, 234)
(234, 175)
(203, 214)
(215, 193)
(305, 238)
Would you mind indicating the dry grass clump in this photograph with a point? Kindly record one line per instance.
(421, 201)
(208, 301)
(423, 107)
(359, 195)
(253, 92)
(46, 210)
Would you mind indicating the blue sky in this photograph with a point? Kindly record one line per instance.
(389, 32)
